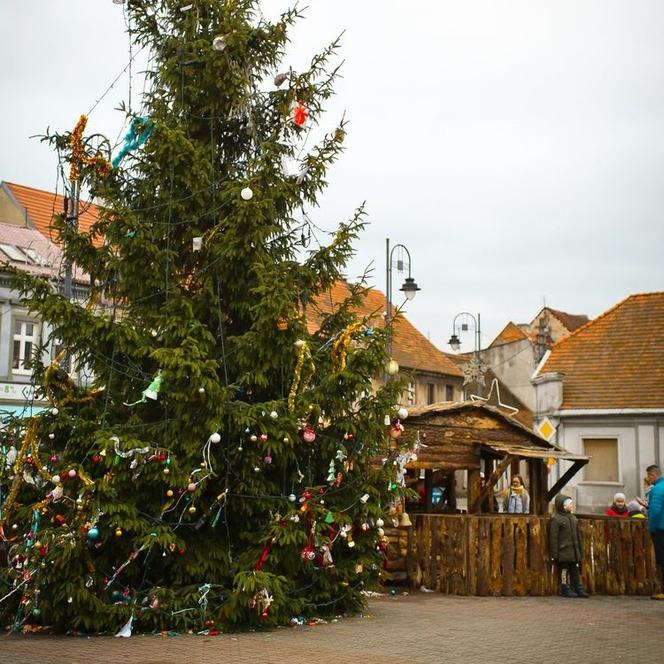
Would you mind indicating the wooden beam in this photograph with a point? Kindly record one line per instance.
(428, 490)
(566, 477)
(474, 486)
(491, 482)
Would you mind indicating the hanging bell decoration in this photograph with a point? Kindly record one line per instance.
(404, 521)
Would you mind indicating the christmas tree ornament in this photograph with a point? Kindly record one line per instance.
(308, 434)
(219, 43)
(118, 532)
(140, 130)
(279, 79)
(368, 331)
(282, 324)
(51, 436)
(396, 430)
(151, 391)
(191, 487)
(292, 497)
(404, 520)
(169, 493)
(54, 459)
(72, 473)
(93, 534)
(392, 367)
(166, 471)
(201, 390)
(267, 459)
(299, 114)
(55, 411)
(274, 415)
(192, 509)
(365, 498)
(402, 413)
(380, 523)
(196, 243)
(263, 438)
(247, 194)
(253, 438)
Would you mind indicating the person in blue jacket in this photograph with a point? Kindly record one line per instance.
(656, 521)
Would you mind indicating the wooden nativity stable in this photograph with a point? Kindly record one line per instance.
(458, 544)
(481, 439)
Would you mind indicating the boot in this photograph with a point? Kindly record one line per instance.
(566, 591)
(576, 582)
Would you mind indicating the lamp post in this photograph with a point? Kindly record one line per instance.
(476, 370)
(409, 286)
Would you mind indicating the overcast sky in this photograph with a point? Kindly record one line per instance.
(515, 147)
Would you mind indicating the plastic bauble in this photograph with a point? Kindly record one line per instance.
(54, 411)
(309, 435)
(51, 436)
(263, 438)
(166, 471)
(247, 194)
(169, 493)
(402, 413)
(192, 510)
(72, 472)
(392, 367)
(380, 523)
(274, 415)
(381, 532)
(215, 438)
(267, 459)
(191, 487)
(118, 532)
(253, 438)
(54, 459)
(292, 497)
(92, 534)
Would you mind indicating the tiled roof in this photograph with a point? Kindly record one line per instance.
(49, 259)
(509, 334)
(41, 206)
(615, 360)
(571, 321)
(410, 348)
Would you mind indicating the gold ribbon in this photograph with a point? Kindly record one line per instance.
(340, 346)
(304, 370)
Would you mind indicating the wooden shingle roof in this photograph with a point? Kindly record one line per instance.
(410, 348)
(615, 360)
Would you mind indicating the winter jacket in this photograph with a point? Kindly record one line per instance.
(564, 535)
(656, 506)
(611, 511)
(515, 503)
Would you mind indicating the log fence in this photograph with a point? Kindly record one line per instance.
(509, 555)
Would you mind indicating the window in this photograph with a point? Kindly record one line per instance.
(603, 464)
(13, 253)
(411, 393)
(431, 393)
(449, 393)
(26, 338)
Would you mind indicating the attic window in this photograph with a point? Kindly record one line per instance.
(13, 253)
(34, 256)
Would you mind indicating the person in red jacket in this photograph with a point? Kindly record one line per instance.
(618, 507)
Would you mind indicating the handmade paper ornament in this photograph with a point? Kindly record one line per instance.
(219, 43)
(299, 114)
(151, 391)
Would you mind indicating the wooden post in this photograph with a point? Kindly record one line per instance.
(491, 482)
(450, 490)
(474, 487)
(567, 476)
(537, 489)
(428, 490)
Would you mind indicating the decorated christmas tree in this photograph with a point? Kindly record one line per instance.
(228, 465)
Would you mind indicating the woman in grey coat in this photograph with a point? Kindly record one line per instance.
(565, 547)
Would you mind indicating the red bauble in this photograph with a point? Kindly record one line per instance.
(95, 458)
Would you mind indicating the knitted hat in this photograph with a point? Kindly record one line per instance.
(634, 506)
(619, 496)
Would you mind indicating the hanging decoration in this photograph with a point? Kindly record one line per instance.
(299, 114)
(78, 155)
(340, 346)
(304, 370)
(151, 391)
(140, 130)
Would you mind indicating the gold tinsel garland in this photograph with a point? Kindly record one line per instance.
(78, 156)
(340, 346)
(304, 370)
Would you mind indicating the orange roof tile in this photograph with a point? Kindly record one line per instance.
(42, 205)
(615, 360)
(509, 334)
(410, 348)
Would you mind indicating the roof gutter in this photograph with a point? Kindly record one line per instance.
(574, 412)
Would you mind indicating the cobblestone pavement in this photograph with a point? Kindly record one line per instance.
(417, 628)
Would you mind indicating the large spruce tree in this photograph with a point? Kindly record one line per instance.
(226, 465)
